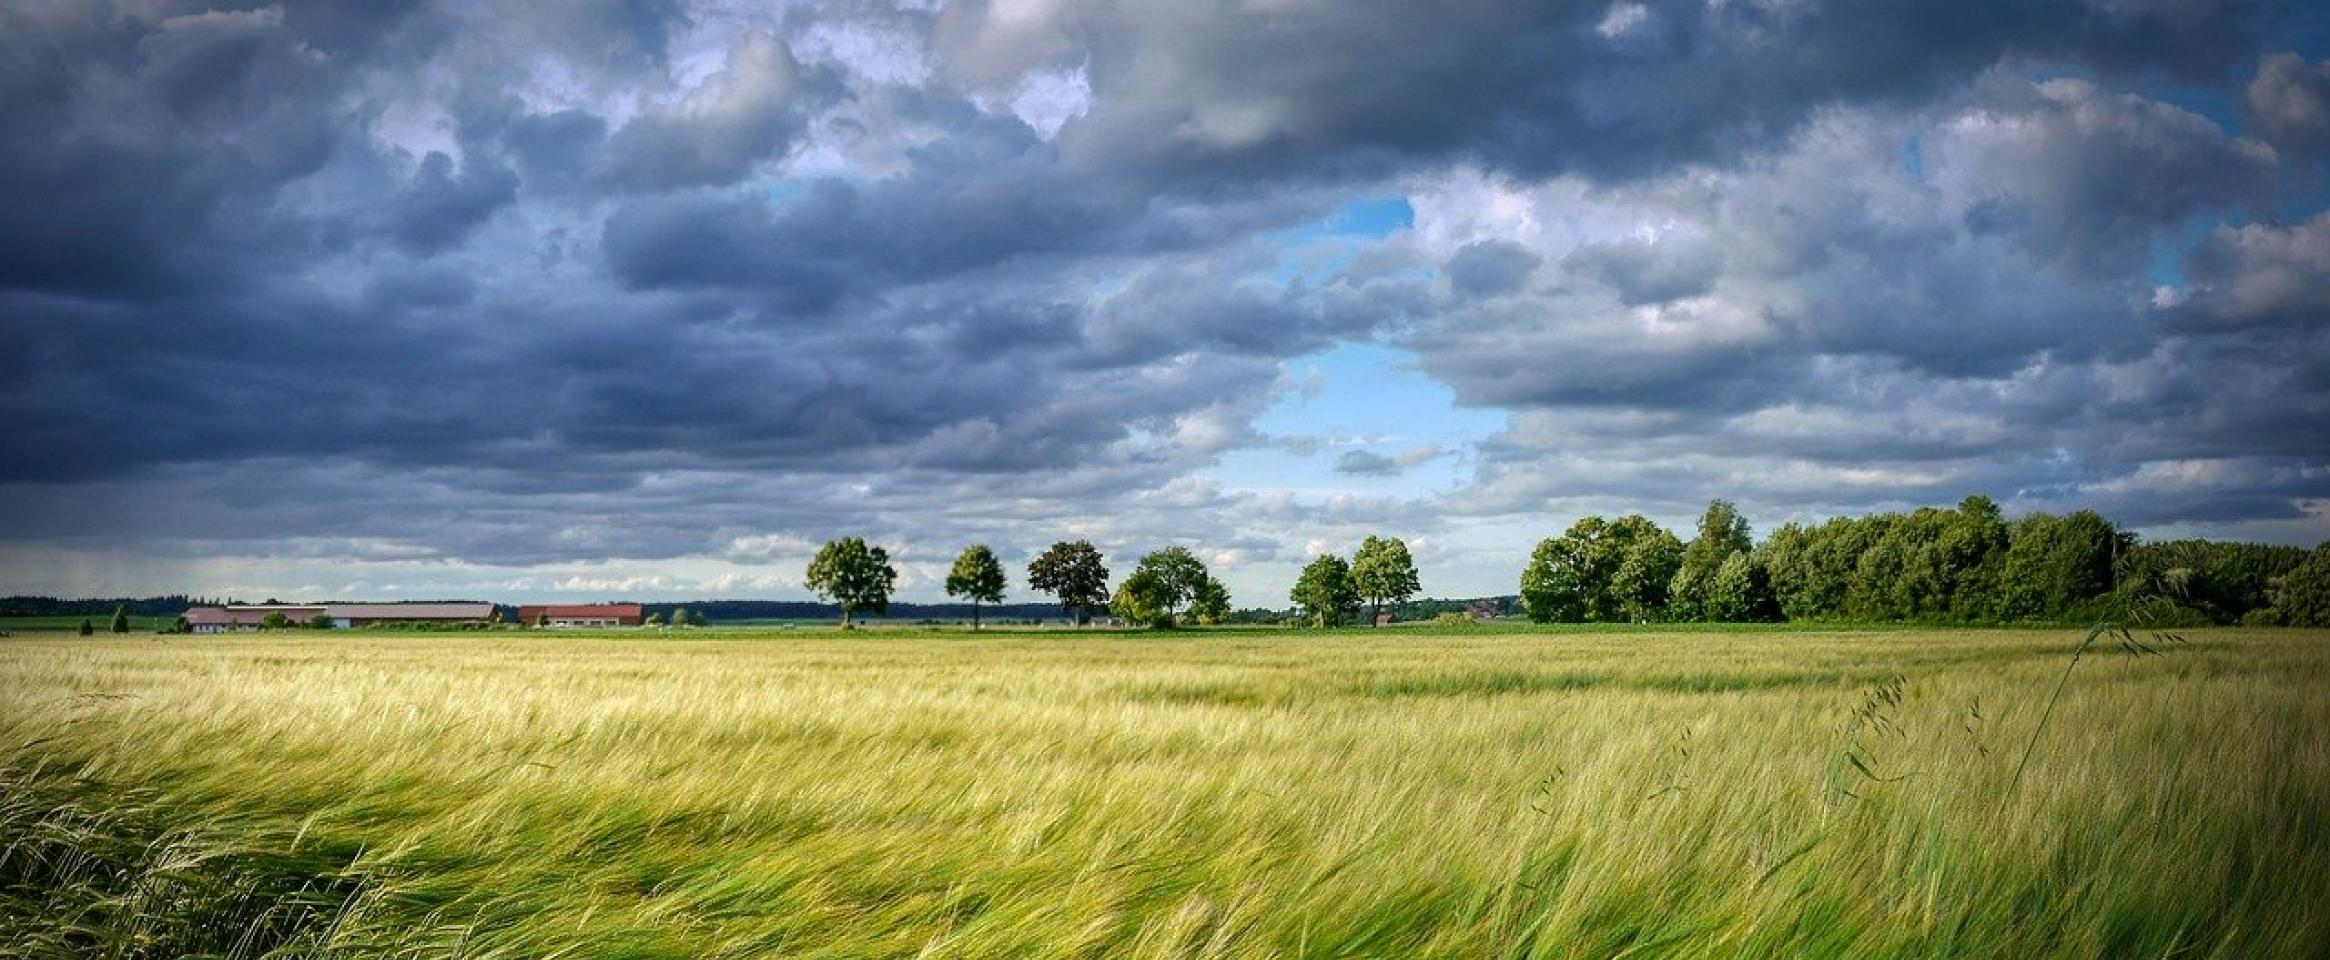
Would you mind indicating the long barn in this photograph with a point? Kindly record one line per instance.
(252, 616)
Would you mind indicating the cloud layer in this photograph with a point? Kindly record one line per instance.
(649, 298)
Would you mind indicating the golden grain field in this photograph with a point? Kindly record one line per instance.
(1398, 793)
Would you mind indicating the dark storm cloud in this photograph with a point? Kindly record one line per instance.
(442, 208)
(143, 157)
(2261, 274)
(517, 284)
(1490, 267)
(1203, 92)
(2289, 101)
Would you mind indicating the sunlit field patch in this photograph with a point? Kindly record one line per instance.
(1204, 794)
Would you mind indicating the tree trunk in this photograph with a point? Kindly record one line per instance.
(974, 614)
(845, 616)
(1375, 614)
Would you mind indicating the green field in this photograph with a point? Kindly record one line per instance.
(69, 623)
(1795, 793)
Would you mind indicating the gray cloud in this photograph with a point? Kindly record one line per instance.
(2289, 101)
(440, 289)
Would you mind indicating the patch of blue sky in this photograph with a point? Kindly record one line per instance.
(1360, 397)
(1321, 248)
(2168, 252)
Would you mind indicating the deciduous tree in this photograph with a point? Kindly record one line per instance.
(854, 575)
(1073, 572)
(1144, 599)
(1723, 533)
(1211, 604)
(1325, 592)
(978, 576)
(1383, 572)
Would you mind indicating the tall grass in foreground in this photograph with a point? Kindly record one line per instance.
(1690, 795)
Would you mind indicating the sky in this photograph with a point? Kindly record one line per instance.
(645, 299)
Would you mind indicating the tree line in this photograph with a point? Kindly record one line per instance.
(1963, 565)
(1167, 587)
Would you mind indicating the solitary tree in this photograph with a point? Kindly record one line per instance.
(321, 621)
(1324, 591)
(1382, 572)
(852, 574)
(1073, 572)
(88, 629)
(121, 618)
(275, 620)
(651, 620)
(679, 616)
(699, 619)
(978, 576)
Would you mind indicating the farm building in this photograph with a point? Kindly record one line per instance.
(237, 617)
(582, 615)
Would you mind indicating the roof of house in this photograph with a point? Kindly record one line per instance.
(231, 616)
(581, 610)
(410, 611)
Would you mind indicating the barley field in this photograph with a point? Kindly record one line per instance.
(1397, 793)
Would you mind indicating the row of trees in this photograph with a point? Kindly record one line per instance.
(1970, 564)
(1331, 589)
(1164, 587)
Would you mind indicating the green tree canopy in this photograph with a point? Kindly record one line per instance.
(121, 618)
(1144, 599)
(1211, 604)
(275, 620)
(2302, 597)
(1383, 572)
(978, 576)
(88, 629)
(1073, 572)
(1647, 558)
(1325, 591)
(1179, 576)
(1602, 571)
(1561, 575)
(1723, 534)
(854, 575)
(321, 621)
(1740, 592)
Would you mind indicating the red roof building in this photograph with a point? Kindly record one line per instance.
(581, 615)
